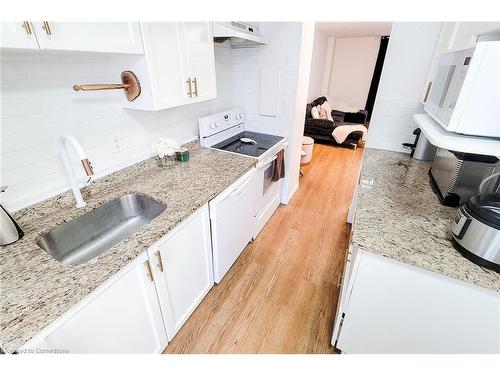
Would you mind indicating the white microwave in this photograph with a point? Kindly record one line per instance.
(465, 93)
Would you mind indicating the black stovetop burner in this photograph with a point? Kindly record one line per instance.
(264, 143)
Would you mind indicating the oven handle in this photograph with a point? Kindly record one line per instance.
(267, 161)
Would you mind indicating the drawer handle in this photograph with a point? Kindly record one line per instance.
(149, 273)
(195, 81)
(27, 27)
(190, 92)
(160, 262)
(46, 27)
(339, 281)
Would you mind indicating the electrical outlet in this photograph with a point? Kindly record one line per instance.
(117, 147)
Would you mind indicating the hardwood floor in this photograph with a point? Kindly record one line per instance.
(280, 295)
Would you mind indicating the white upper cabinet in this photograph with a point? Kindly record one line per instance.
(163, 68)
(178, 66)
(182, 264)
(19, 35)
(109, 37)
(201, 60)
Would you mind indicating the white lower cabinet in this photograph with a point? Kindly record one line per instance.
(121, 316)
(145, 304)
(390, 307)
(182, 263)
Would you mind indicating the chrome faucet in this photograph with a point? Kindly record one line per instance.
(76, 183)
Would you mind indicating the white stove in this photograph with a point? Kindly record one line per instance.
(225, 131)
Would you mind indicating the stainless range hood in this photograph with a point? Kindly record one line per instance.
(239, 34)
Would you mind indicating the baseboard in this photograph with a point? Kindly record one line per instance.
(292, 193)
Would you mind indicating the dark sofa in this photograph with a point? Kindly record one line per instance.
(321, 130)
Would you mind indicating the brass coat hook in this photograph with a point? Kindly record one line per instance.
(130, 84)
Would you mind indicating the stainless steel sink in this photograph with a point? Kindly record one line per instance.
(91, 234)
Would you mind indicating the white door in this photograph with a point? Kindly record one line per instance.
(182, 263)
(166, 63)
(111, 37)
(201, 61)
(232, 216)
(125, 317)
(18, 35)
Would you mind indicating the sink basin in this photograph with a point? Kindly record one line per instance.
(91, 234)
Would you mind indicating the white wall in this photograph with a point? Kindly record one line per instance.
(303, 79)
(38, 105)
(282, 54)
(352, 69)
(409, 53)
(319, 56)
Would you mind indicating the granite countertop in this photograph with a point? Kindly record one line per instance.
(399, 216)
(35, 289)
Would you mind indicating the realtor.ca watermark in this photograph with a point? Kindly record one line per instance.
(43, 351)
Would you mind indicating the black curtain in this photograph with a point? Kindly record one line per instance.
(370, 101)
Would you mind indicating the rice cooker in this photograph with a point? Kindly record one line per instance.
(476, 230)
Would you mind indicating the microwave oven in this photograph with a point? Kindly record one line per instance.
(465, 93)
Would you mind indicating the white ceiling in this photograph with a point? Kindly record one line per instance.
(354, 29)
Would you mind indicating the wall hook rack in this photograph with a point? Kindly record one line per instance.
(130, 84)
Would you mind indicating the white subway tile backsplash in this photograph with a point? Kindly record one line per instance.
(19, 107)
(42, 70)
(38, 106)
(14, 177)
(76, 70)
(17, 159)
(12, 71)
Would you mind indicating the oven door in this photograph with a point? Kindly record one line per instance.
(268, 194)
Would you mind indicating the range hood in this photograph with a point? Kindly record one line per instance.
(240, 35)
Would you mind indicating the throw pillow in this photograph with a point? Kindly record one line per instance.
(322, 113)
(328, 109)
(315, 112)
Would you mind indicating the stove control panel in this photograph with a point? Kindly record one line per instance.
(221, 121)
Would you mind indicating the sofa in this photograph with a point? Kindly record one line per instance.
(321, 130)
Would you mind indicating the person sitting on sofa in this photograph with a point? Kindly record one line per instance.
(323, 123)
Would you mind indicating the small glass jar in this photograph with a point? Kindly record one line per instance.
(182, 154)
(168, 161)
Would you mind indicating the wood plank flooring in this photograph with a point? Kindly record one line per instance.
(280, 295)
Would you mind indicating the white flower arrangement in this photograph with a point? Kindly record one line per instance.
(165, 147)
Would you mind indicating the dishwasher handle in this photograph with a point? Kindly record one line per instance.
(239, 190)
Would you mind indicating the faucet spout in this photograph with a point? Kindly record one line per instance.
(87, 166)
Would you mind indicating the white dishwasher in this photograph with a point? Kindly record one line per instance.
(232, 215)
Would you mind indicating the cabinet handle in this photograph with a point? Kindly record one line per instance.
(26, 26)
(148, 270)
(195, 81)
(339, 281)
(160, 263)
(190, 92)
(429, 85)
(46, 27)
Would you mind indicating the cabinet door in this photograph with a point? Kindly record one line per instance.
(183, 269)
(111, 37)
(165, 58)
(201, 61)
(396, 308)
(125, 317)
(17, 35)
